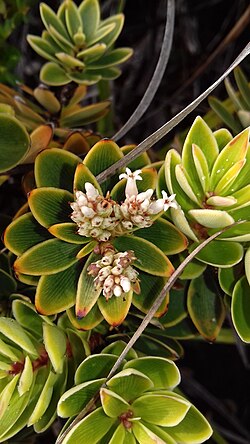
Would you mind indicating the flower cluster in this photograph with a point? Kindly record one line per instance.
(102, 218)
(114, 273)
(95, 215)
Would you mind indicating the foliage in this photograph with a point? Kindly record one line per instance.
(95, 262)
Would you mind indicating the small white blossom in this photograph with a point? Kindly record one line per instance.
(91, 192)
(131, 187)
(168, 201)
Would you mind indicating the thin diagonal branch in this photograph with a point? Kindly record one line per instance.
(163, 130)
(157, 76)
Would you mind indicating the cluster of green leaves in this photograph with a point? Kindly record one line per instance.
(78, 44)
(38, 360)
(211, 182)
(137, 405)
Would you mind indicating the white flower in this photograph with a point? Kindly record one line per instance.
(169, 201)
(131, 187)
(91, 191)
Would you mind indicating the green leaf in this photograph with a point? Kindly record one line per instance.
(159, 432)
(117, 22)
(172, 160)
(177, 309)
(201, 166)
(93, 318)
(164, 410)
(49, 257)
(73, 19)
(13, 412)
(205, 308)
(144, 435)
(50, 205)
(43, 400)
(90, 16)
(159, 264)
(193, 429)
(247, 265)
(114, 57)
(228, 278)
(67, 232)
(212, 218)
(56, 168)
(87, 294)
(113, 405)
(102, 155)
(129, 384)
(240, 309)
(53, 75)
(49, 19)
(95, 367)
(243, 85)
(165, 236)
(221, 110)
(14, 142)
(57, 292)
(92, 53)
(14, 332)
(119, 435)
(93, 427)
(26, 378)
(150, 289)
(55, 344)
(83, 175)
(27, 316)
(193, 270)
(220, 253)
(23, 233)
(115, 309)
(188, 185)
(42, 47)
(162, 372)
(180, 220)
(49, 415)
(235, 151)
(6, 394)
(117, 347)
(201, 135)
(223, 137)
(76, 398)
(85, 115)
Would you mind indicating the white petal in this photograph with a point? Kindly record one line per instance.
(128, 171)
(156, 206)
(87, 212)
(104, 236)
(131, 188)
(125, 283)
(91, 191)
(123, 176)
(145, 195)
(117, 290)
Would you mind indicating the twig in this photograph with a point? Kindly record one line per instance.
(157, 76)
(163, 130)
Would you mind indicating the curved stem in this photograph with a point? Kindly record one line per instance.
(157, 76)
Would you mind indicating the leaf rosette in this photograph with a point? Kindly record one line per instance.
(137, 405)
(37, 360)
(211, 182)
(52, 253)
(78, 44)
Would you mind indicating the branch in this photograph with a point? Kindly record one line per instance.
(157, 76)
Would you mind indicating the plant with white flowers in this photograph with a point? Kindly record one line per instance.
(93, 250)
